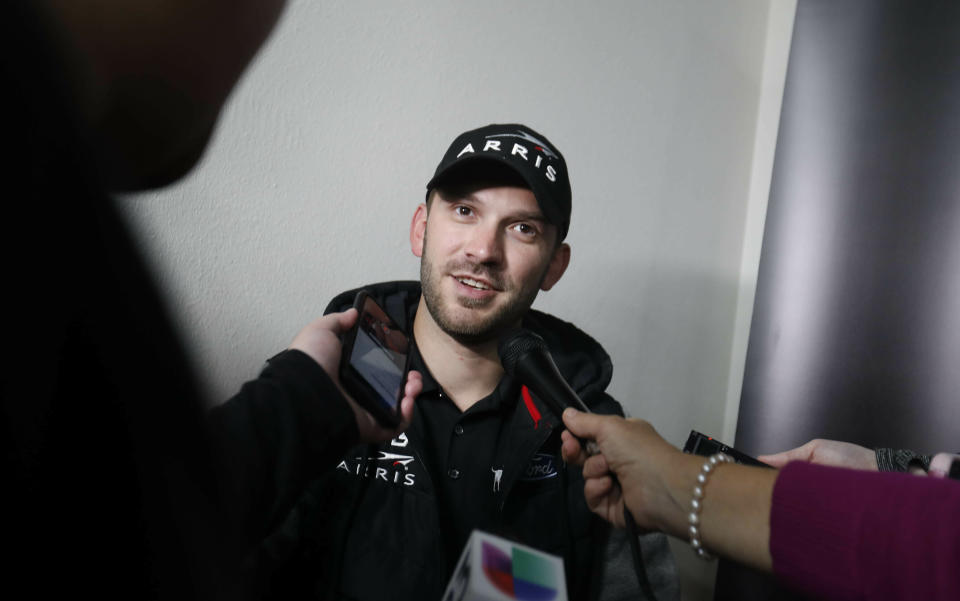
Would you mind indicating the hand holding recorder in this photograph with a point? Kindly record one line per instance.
(827, 452)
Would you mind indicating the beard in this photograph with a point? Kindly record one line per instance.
(474, 327)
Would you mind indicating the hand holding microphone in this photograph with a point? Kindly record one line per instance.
(524, 355)
(631, 473)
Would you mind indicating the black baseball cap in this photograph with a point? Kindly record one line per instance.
(526, 152)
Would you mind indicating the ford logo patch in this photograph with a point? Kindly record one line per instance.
(541, 467)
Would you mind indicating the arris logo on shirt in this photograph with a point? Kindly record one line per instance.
(389, 467)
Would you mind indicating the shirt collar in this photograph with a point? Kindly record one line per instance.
(507, 390)
(430, 385)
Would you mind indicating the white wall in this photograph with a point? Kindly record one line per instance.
(666, 112)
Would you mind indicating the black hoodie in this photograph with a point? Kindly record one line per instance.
(372, 529)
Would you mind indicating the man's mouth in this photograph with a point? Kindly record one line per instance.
(473, 283)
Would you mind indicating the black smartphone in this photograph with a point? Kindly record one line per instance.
(375, 360)
(701, 444)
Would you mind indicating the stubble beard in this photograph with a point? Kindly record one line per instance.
(473, 329)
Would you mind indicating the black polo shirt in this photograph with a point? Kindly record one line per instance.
(460, 448)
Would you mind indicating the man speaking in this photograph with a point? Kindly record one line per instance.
(482, 451)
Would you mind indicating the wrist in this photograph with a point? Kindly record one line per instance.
(681, 474)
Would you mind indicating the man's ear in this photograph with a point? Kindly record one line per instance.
(558, 264)
(418, 228)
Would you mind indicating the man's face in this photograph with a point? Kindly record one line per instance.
(486, 250)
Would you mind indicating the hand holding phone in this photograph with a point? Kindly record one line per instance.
(375, 361)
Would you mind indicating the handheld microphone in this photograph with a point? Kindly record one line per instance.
(525, 356)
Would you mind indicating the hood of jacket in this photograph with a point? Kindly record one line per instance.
(582, 361)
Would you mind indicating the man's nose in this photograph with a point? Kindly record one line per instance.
(485, 244)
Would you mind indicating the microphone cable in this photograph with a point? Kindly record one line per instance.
(642, 579)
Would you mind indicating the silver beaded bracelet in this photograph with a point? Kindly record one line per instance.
(697, 503)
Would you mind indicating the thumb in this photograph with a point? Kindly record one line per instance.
(775, 460)
(338, 323)
(804, 452)
(584, 425)
(784, 457)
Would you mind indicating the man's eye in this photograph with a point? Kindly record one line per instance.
(525, 228)
(463, 211)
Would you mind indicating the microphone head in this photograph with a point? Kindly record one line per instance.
(515, 344)
(525, 356)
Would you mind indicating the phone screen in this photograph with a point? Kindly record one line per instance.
(379, 353)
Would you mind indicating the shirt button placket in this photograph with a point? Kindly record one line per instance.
(454, 473)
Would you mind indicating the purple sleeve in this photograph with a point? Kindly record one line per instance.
(845, 534)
